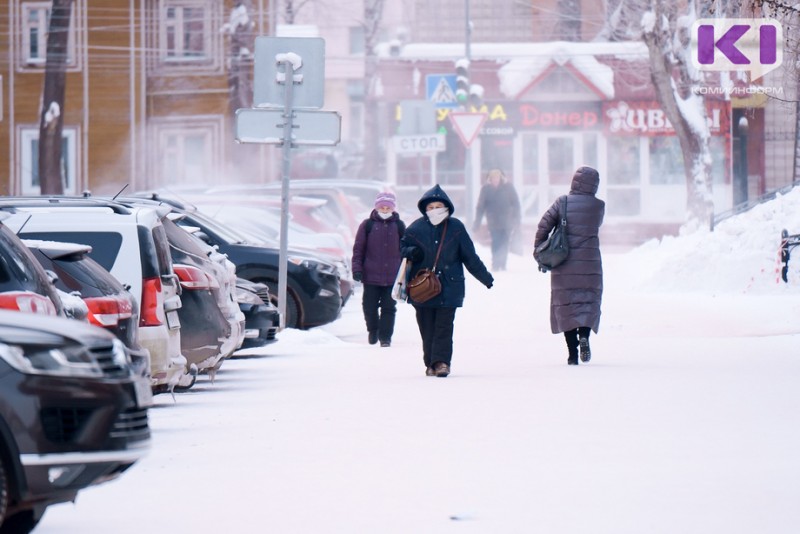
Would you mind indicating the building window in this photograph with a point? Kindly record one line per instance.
(623, 194)
(186, 152)
(29, 161)
(357, 40)
(185, 32)
(666, 160)
(35, 17)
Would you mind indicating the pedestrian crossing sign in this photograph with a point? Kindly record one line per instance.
(441, 90)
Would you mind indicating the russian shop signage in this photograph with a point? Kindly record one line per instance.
(645, 118)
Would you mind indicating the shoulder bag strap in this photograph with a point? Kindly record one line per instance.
(564, 211)
(444, 233)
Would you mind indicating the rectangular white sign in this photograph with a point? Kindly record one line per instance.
(419, 144)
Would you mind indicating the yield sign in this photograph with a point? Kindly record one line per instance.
(467, 125)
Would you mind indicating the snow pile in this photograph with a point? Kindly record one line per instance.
(739, 256)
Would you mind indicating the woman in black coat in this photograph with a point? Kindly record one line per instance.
(420, 243)
(576, 286)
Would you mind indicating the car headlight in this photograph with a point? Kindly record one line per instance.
(247, 297)
(326, 268)
(56, 361)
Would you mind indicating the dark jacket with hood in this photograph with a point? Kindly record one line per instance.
(376, 254)
(421, 242)
(576, 286)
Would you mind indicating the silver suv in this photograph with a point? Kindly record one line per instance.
(131, 244)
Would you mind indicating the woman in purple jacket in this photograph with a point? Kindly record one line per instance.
(576, 286)
(376, 260)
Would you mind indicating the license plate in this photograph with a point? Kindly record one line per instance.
(172, 320)
(143, 392)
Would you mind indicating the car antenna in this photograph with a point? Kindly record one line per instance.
(23, 224)
(124, 187)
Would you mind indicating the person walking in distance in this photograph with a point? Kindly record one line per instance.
(498, 200)
(376, 260)
(438, 238)
(576, 286)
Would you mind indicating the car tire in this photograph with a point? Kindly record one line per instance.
(3, 493)
(292, 307)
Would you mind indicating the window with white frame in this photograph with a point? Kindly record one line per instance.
(185, 33)
(29, 160)
(35, 19)
(186, 153)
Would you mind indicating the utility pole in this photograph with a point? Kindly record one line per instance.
(468, 193)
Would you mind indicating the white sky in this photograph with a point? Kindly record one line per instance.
(686, 420)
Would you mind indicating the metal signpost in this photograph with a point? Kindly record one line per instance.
(297, 64)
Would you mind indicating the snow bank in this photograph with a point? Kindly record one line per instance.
(739, 256)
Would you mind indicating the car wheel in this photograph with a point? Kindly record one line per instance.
(3, 493)
(292, 307)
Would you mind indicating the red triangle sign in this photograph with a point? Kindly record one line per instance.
(467, 125)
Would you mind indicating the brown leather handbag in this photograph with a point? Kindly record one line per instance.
(425, 285)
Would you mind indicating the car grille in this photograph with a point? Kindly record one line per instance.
(132, 425)
(61, 425)
(105, 358)
(263, 294)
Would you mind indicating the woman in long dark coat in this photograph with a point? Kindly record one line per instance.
(576, 286)
(435, 317)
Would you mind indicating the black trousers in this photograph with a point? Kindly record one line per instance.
(573, 338)
(379, 310)
(500, 241)
(436, 329)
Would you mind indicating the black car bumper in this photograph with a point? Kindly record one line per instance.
(77, 433)
(261, 324)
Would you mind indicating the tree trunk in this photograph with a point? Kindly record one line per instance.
(51, 123)
(667, 43)
(373, 12)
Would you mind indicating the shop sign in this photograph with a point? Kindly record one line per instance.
(559, 116)
(648, 119)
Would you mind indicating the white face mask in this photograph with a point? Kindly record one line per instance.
(437, 215)
(385, 215)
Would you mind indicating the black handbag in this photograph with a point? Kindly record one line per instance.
(554, 250)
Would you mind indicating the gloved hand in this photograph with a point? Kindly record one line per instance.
(489, 285)
(410, 253)
(357, 276)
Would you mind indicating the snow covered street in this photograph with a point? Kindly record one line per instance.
(684, 421)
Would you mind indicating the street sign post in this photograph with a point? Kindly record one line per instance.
(467, 125)
(309, 127)
(417, 117)
(309, 75)
(441, 90)
(289, 74)
(419, 144)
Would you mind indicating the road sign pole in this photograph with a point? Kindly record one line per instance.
(283, 273)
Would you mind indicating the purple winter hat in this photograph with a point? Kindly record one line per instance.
(385, 199)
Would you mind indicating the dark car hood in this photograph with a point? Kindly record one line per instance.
(27, 324)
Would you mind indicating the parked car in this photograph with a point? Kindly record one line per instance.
(108, 304)
(131, 244)
(213, 324)
(262, 318)
(24, 284)
(262, 226)
(72, 413)
(313, 288)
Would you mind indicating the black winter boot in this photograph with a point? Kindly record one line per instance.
(586, 353)
(373, 337)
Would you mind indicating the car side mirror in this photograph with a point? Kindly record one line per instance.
(51, 276)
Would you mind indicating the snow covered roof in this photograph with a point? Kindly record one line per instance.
(527, 63)
(506, 51)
